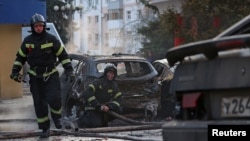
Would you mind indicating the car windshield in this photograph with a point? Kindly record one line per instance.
(127, 68)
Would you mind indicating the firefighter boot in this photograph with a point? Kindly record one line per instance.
(45, 133)
(58, 124)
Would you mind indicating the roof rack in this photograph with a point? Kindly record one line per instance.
(120, 54)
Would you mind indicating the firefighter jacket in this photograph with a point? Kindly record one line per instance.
(41, 52)
(102, 92)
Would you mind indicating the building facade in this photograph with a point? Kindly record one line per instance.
(14, 14)
(110, 26)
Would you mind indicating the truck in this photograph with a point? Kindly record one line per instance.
(211, 84)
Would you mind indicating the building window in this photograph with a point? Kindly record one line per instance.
(115, 14)
(114, 33)
(89, 19)
(128, 15)
(139, 13)
(96, 39)
(106, 16)
(96, 19)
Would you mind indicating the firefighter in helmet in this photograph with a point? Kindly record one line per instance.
(101, 96)
(41, 50)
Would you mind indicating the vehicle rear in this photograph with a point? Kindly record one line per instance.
(212, 82)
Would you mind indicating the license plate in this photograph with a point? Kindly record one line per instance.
(235, 106)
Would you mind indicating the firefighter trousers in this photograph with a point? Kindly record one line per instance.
(46, 93)
(94, 118)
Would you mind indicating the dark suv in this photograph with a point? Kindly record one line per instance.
(136, 79)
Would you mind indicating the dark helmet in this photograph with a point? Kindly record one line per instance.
(36, 19)
(110, 67)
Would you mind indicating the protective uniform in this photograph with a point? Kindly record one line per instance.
(41, 51)
(98, 93)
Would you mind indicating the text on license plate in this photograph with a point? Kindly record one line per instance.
(235, 106)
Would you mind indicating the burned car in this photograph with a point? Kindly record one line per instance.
(135, 78)
(164, 77)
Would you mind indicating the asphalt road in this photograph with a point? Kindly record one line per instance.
(17, 118)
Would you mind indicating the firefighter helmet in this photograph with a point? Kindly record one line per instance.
(36, 19)
(110, 67)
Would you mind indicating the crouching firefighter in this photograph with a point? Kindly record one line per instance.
(101, 96)
(41, 50)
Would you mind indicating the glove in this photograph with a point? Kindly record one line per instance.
(103, 108)
(16, 76)
(70, 76)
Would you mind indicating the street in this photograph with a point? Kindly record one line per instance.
(17, 118)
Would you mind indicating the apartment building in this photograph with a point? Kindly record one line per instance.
(109, 26)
